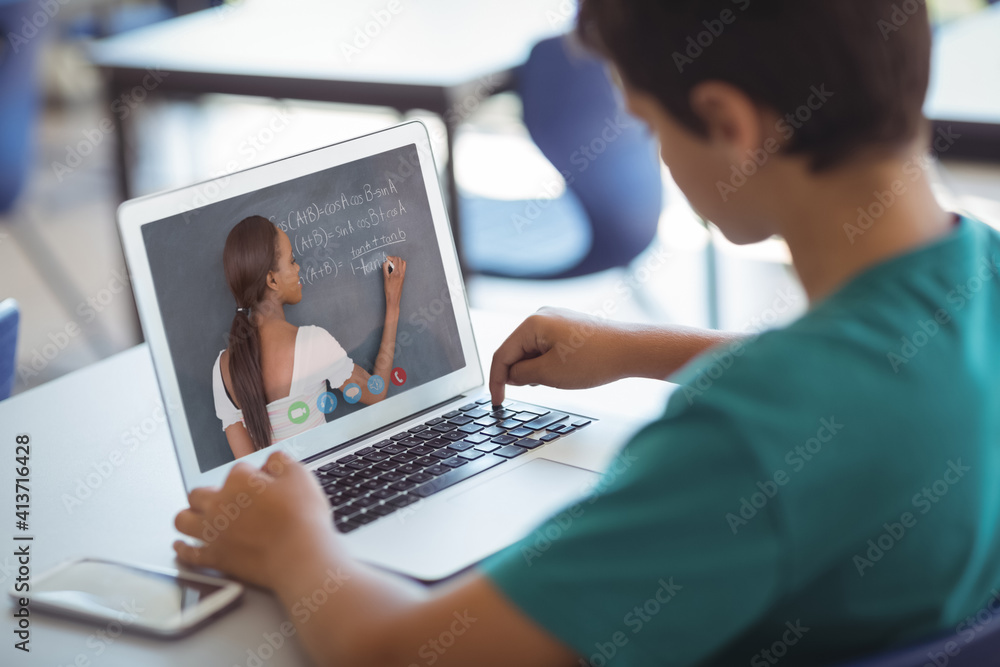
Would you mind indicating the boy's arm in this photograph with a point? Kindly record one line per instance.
(569, 350)
(376, 618)
(280, 536)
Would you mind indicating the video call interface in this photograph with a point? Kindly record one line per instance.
(339, 228)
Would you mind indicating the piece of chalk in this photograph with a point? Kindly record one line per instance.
(391, 267)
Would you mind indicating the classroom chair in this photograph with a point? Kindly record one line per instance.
(9, 318)
(614, 191)
(19, 96)
(976, 645)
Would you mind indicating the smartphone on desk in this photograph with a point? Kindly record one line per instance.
(154, 601)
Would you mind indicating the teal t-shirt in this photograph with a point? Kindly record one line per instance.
(822, 491)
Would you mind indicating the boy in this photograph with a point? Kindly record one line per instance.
(817, 493)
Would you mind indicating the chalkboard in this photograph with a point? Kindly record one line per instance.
(342, 223)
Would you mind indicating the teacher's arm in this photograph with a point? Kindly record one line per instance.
(239, 440)
(386, 351)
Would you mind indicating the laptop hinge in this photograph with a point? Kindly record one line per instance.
(387, 427)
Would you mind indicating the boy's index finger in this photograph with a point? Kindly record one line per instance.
(518, 346)
(499, 371)
(509, 353)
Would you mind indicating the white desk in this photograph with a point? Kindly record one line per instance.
(443, 56)
(77, 422)
(963, 96)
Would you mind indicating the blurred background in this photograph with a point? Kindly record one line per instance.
(105, 99)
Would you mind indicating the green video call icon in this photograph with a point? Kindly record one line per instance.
(298, 412)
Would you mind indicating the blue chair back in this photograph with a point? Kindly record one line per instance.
(976, 645)
(608, 158)
(9, 318)
(20, 95)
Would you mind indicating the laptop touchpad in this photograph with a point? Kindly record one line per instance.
(528, 493)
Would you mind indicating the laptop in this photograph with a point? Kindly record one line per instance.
(430, 479)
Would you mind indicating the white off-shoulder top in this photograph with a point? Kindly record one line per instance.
(318, 358)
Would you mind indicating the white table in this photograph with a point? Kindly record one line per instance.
(964, 96)
(444, 56)
(86, 501)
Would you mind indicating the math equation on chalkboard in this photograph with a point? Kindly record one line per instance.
(350, 232)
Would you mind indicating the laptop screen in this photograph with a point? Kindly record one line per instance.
(304, 260)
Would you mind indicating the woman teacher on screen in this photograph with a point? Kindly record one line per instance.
(272, 365)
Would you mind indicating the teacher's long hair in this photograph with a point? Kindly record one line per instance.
(247, 257)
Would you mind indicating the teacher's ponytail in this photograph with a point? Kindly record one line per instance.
(248, 255)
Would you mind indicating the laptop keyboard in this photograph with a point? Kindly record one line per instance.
(378, 480)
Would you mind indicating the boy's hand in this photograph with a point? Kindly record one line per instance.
(569, 350)
(559, 348)
(261, 525)
(394, 280)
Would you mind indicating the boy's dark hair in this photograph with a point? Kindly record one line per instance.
(864, 63)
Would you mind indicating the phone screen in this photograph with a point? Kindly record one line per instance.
(121, 592)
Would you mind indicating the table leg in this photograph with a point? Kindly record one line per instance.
(712, 279)
(454, 212)
(124, 184)
(121, 147)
